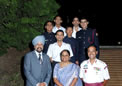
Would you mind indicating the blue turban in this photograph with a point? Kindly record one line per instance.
(38, 39)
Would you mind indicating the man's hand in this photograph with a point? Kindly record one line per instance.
(77, 62)
(51, 59)
(104, 83)
(42, 84)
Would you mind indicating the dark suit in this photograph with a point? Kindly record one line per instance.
(86, 38)
(36, 72)
(74, 45)
(49, 39)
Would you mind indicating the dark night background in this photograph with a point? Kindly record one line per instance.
(104, 17)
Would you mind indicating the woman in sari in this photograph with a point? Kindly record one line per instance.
(66, 73)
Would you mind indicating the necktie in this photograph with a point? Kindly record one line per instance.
(40, 58)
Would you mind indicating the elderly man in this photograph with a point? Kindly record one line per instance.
(37, 68)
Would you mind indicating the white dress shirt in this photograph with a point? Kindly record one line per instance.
(74, 31)
(54, 51)
(94, 73)
(37, 54)
(55, 29)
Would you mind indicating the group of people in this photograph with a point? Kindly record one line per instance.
(65, 57)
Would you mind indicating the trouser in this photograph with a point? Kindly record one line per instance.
(53, 65)
(93, 84)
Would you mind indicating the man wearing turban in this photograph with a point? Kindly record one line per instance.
(37, 68)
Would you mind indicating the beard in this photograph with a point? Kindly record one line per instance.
(39, 49)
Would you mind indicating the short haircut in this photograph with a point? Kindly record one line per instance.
(48, 22)
(69, 27)
(75, 17)
(84, 18)
(59, 31)
(57, 16)
(64, 51)
(92, 45)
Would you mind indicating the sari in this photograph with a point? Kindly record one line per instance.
(66, 74)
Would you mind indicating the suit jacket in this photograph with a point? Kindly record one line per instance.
(49, 39)
(74, 45)
(36, 72)
(86, 38)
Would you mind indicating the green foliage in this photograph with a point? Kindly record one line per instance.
(14, 79)
(22, 20)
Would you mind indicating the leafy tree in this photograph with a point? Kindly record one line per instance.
(22, 20)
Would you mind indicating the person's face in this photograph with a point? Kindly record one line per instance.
(84, 23)
(69, 31)
(58, 20)
(39, 47)
(59, 36)
(65, 57)
(76, 22)
(92, 52)
(49, 27)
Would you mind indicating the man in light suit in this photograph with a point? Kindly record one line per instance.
(37, 68)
